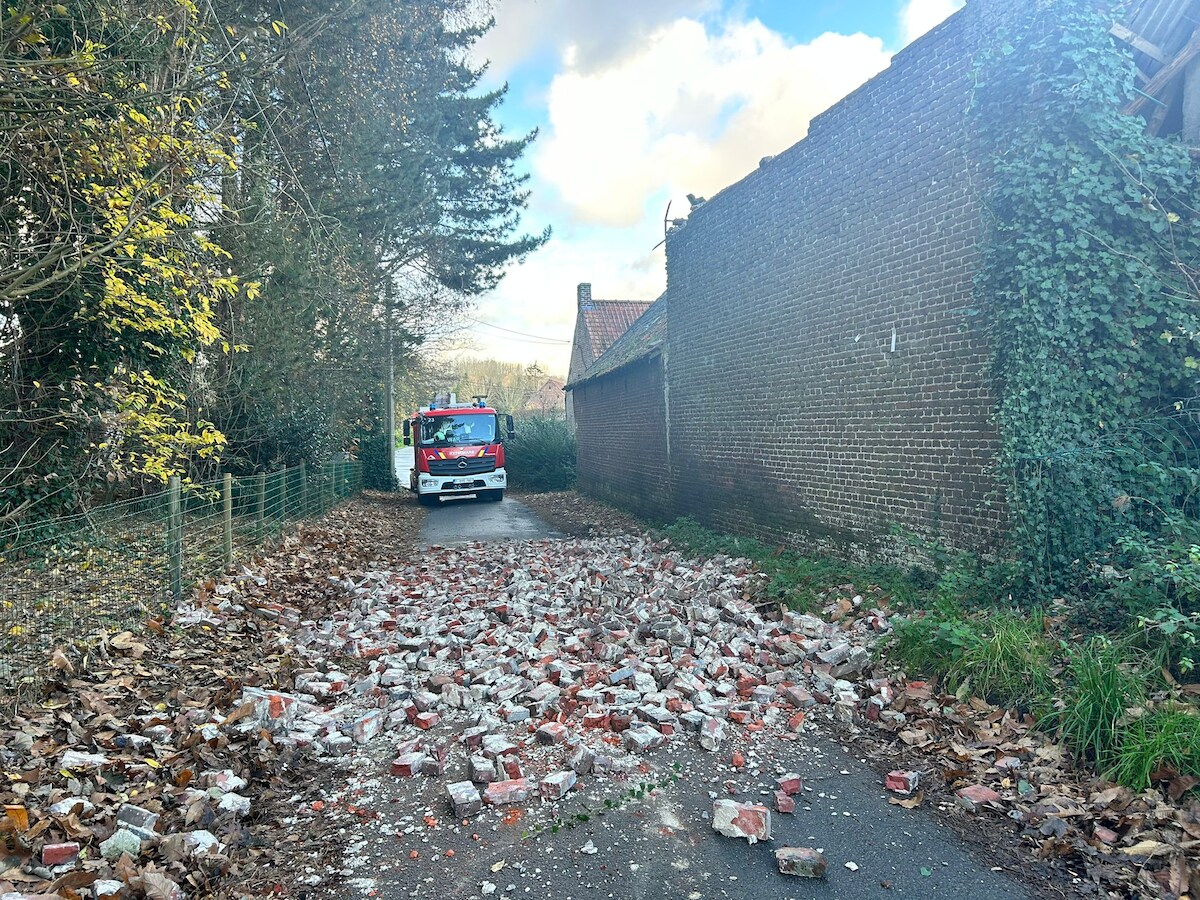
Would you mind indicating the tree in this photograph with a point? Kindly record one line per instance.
(238, 221)
(382, 194)
(107, 291)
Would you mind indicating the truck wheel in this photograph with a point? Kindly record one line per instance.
(494, 496)
(427, 499)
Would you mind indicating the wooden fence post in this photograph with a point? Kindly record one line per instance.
(227, 517)
(175, 538)
(260, 502)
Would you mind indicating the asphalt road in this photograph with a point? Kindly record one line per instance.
(663, 845)
(459, 520)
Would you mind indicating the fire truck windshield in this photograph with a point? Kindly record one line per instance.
(458, 431)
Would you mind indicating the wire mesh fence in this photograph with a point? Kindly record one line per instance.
(114, 565)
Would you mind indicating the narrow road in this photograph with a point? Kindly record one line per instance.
(660, 845)
(458, 521)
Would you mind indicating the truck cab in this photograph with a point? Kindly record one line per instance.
(457, 451)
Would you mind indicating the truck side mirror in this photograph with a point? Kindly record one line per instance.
(407, 433)
(508, 422)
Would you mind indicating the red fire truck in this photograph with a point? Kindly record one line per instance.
(459, 450)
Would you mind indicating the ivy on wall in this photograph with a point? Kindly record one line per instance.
(1089, 283)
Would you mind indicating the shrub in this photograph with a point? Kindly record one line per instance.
(1104, 680)
(930, 644)
(378, 462)
(1165, 738)
(1156, 571)
(1172, 638)
(541, 457)
(1001, 656)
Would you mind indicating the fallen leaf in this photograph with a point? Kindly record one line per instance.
(1148, 848)
(18, 816)
(59, 660)
(908, 802)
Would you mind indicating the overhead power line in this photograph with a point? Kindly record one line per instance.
(525, 334)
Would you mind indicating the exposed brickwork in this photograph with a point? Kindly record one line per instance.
(621, 425)
(791, 415)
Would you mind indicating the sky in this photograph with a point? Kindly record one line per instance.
(638, 103)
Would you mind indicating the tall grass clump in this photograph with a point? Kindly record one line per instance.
(1008, 662)
(541, 456)
(1002, 656)
(1104, 680)
(1165, 738)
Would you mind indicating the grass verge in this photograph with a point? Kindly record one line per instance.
(1095, 692)
(794, 579)
(1165, 740)
(1003, 657)
(1104, 678)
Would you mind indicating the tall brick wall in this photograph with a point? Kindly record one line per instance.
(621, 425)
(792, 417)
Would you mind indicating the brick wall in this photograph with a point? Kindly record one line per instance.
(792, 416)
(621, 425)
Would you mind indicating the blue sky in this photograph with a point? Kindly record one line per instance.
(639, 102)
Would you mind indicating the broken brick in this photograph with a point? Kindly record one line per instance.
(556, 786)
(901, 781)
(741, 820)
(975, 796)
(803, 862)
(790, 784)
(499, 793)
(60, 854)
(408, 765)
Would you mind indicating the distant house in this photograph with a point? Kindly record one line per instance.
(598, 324)
(548, 399)
(621, 408)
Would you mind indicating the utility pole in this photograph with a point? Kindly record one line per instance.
(389, 393)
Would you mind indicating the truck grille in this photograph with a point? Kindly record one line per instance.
(475, 465)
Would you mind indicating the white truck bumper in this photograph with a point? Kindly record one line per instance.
(451, 485)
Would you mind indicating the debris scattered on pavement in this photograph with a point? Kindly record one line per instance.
(804, 862)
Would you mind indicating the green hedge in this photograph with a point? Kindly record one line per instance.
(541, 457)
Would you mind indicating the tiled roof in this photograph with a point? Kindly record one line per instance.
(641, 339)
(607, 320)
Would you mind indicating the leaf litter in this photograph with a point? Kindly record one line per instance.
(166, 739)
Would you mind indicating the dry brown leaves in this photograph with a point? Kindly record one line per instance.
(1104, 838)
(580, 516)
(156, 709)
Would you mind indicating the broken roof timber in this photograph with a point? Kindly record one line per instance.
(1135, 40)
(1164, 76)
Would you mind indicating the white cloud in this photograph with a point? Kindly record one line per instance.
(919, 16)
(597, 30)
(687, 110)
(648, 101)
